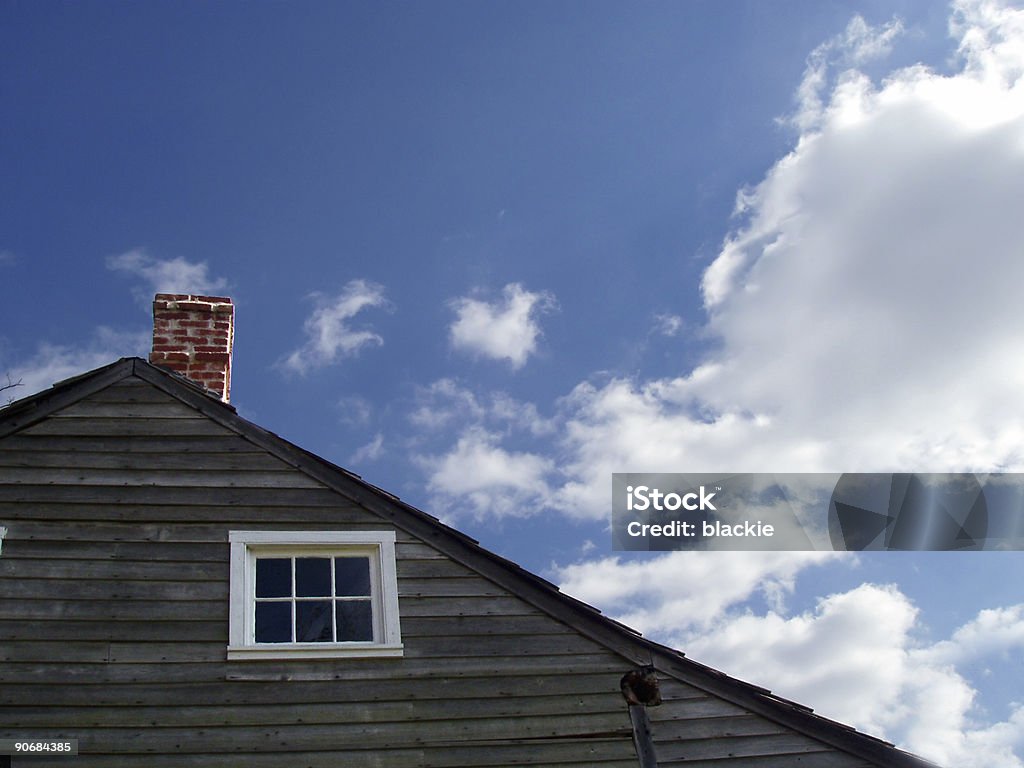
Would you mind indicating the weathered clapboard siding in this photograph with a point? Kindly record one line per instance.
(691, 727)
(114, 603)
(118, 511)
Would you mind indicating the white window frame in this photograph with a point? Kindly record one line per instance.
(378, 545)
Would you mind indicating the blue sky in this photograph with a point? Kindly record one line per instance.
(485, 254)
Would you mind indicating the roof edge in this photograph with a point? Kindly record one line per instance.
(34, 408)
(539, 592)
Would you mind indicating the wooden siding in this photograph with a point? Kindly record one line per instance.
(113, 625)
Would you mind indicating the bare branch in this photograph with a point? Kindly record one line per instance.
(11, 384)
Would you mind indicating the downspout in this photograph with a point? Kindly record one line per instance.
(640, 690)
(642, 738)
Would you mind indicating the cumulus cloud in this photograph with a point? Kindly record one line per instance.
(865, 305)
(865, 312)
(854, 657)
(506, 329)
(167, 275)
(992, 631)
(679, 590)
(865, 316)
(480, 477)
(329, 332)
(859, 44)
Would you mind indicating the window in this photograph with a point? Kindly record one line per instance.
(313, 594)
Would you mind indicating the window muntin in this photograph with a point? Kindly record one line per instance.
(290, 604)
(318, 593)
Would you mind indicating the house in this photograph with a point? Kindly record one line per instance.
(180, 587)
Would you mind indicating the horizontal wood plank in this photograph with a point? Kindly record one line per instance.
(170, 478)
(128, 427)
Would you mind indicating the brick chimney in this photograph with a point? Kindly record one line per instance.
(193, 336)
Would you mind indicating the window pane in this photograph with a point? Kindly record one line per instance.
(273, 622)
(313, 621)
(274, 577)
(352, 576)
(355, 620)
(313, 576)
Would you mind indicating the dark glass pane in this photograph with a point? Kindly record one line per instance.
(313, 577)
(273, 622)
(273, 577)
(313, 621)
(352, 576)
(355, 620)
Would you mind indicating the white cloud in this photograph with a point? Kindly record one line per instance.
(866, 314)
(854, 657)
(355, 410)
(994, 630)
(847, 658)
(991, 40)
(51, 363)
(667, 324)
(446, 404)
(482, 478)
(329, 334)
(866, 306)
(478, 475)
(167, 275)
(504, 330)
(372, 451)
(866, 317)
(679, 590)
(859, 44)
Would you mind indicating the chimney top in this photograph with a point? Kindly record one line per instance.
(193, 336)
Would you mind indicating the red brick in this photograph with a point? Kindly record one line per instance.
(195, 307)
(213, 357)
(181, 368)
(170, 356)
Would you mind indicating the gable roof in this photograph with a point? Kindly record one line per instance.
(540, 593)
